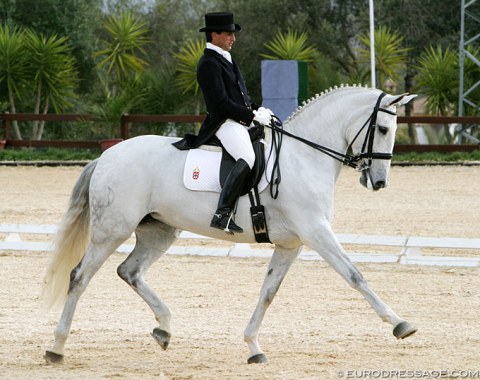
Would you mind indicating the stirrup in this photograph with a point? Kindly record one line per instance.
(228, 224)
(225, 222)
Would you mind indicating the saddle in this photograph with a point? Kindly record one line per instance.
(250, 186)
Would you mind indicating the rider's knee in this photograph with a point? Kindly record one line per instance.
(250, 158)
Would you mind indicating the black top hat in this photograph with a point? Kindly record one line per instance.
(220, 21)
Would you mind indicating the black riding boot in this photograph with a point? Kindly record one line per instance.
(228, 198)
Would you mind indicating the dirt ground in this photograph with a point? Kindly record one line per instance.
(316, 328)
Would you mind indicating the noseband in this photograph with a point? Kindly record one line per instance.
(361, 161)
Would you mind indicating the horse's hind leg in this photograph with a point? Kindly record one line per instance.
(80, 277)
(153, 240)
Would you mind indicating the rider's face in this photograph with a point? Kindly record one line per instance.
(224, 40)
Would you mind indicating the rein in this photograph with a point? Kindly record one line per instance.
(346, 159)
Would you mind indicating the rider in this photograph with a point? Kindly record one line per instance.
(229, 112)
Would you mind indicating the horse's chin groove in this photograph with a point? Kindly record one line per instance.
(363, 180)
(53, 358)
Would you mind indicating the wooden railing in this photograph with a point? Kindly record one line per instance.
(126, 122)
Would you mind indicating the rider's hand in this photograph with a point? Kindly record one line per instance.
(267, 110)
(262, 116)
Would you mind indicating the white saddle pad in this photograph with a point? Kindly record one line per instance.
(202, 168)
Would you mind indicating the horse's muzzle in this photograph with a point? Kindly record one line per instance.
(366, 181)
(379, 185)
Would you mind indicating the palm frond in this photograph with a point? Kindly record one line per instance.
(437, 79)
(188, 58)
(127, 37)
(390, 56)
(290, 46)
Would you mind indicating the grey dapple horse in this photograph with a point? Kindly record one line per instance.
(136, 187)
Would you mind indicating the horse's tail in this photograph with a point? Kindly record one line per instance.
(70, 242)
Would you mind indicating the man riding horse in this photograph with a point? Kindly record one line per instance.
(229, 113)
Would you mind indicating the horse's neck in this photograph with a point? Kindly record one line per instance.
(330, 119)
(320, 122)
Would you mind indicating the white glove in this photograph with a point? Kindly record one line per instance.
(262, 116)
(266, 109)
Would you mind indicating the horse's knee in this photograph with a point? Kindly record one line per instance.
(356, 280)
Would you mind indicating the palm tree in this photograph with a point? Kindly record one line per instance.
(390, 57)
(119, 57)
(186, 77)
(290, 46)
(437, 79)
(54, 75)
(13, 66)
(127, 36)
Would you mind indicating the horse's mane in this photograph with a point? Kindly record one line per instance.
(322, 95)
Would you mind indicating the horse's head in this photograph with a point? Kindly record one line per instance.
(372, 145)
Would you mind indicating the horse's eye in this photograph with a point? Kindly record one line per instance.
(383, 130)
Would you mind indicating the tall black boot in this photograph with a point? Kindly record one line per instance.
(229, 196)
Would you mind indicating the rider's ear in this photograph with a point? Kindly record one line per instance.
(396, 100)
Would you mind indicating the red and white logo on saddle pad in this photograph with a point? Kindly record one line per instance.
(202, 168)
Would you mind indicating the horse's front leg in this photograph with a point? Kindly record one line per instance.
(279, 265)
(325, 243)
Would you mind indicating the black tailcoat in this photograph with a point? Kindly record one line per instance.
(225, 94)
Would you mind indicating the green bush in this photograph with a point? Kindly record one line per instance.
(48, 154)
(57, 154)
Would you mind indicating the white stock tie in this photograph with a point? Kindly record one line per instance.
(227, 56)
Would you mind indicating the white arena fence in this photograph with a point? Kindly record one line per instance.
(403, 250)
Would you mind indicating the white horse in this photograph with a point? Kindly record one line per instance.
(136, 186)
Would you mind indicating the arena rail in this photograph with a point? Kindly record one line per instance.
(127, 120)
(409, 249)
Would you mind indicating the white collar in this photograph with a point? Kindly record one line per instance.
(225, 54)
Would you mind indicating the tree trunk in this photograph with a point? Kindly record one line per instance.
(41, 125)
(36, 111)
(412, 133)
(13, 110)
(448, 136)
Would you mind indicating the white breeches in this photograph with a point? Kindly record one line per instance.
(236, 141)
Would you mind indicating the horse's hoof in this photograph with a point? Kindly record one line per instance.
(404, 330)
(257, 359)
(52, 357)
(162, 337)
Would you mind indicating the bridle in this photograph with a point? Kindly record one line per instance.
(360, 162)
(368, 154)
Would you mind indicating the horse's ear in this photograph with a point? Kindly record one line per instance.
(397, 100)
